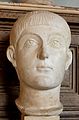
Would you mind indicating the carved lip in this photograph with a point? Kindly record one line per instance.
(44, 68)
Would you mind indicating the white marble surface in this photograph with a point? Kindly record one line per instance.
(41, 118)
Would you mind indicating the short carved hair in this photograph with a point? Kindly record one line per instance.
(37, 18)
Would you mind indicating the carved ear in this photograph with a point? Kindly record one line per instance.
(68, 59)
(11, 55)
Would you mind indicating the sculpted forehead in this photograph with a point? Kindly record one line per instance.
(39, 18)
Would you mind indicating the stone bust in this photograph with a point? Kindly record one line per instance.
(39, 51)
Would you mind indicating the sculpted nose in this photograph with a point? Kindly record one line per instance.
(42, 54)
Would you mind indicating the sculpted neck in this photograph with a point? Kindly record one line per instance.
(39, 102)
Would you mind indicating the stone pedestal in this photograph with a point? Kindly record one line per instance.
(40, 118)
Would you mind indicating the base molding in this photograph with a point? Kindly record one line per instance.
(40, 117)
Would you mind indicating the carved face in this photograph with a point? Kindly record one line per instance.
(41, 55)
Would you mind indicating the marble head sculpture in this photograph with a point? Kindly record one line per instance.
(39, 51)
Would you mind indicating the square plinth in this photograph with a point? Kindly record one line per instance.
(40, 118)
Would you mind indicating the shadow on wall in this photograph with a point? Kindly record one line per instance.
(9, 84)
(12, 91)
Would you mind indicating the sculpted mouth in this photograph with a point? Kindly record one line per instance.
(44, 68)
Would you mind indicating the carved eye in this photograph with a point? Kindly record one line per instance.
(30, 43)
(54, 43)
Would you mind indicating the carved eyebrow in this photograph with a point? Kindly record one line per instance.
(57, 36)
(31, 35)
